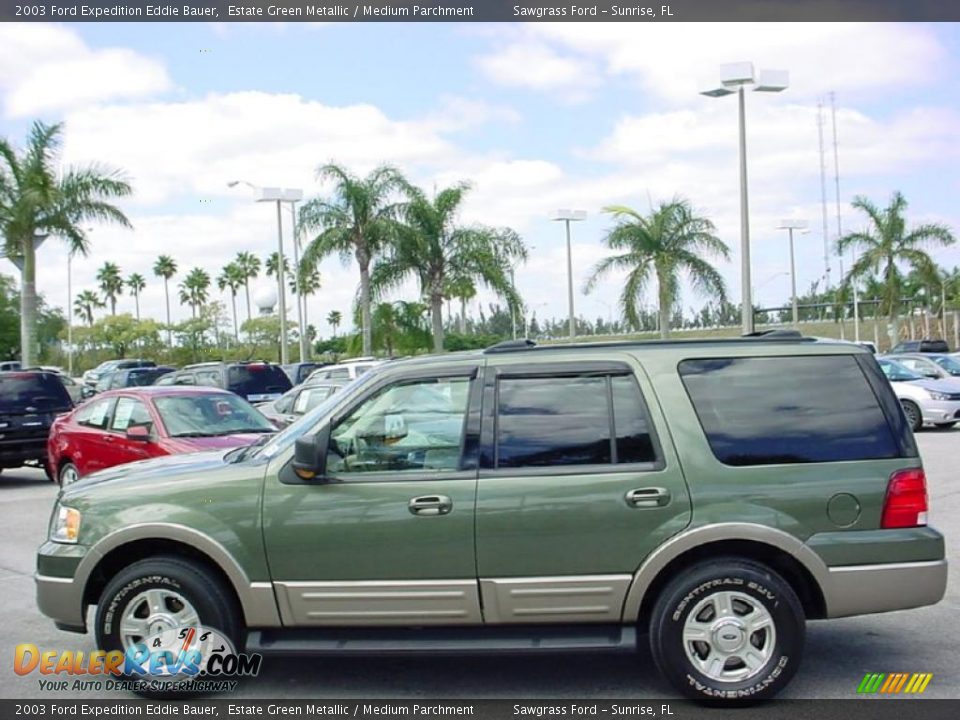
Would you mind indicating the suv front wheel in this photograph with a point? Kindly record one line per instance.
(160, 594)
(728, 629)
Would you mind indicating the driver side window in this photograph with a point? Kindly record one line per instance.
(411, 426)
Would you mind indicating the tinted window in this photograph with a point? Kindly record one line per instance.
(257, 379)
(758, 411)
(553, 421)
(43, 391)
(634, 443)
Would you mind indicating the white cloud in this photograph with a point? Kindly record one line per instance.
(46, 67)
(534, 65)
(671, 60)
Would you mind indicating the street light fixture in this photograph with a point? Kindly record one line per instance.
(568, 216)
(280, 196)
(790, 226)
(734, 78)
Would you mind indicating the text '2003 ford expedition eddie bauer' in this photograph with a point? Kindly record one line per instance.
(709, 495)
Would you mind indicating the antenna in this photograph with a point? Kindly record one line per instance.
(823, 196)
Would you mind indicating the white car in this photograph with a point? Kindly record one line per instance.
(347, 370)
(924, 401)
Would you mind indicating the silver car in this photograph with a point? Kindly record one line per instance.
(924, 401)
(937, 366)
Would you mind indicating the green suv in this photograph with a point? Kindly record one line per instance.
(707, 496)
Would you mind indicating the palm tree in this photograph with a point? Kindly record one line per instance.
(309, 284)
(358, 222)
(166, 267)
(232, 277)
(194, 289)
(85, 303)
(432, 248)
(249, 265)
(273, 261)
(464, 290)
(136, 283)
(36, 201)
(334, 318)
(671, 240)
(886, 245)
(111, 284)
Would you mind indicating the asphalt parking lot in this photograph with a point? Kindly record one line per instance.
(839, 652)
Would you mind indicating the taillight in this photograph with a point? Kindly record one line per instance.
(905, 504)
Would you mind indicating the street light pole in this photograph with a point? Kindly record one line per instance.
(790, 226)
(568, 216)
(281, 295)
(279, 196)
(70, 313)
(738, 76)
(301, 300)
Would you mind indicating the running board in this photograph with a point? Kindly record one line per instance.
(460, 640)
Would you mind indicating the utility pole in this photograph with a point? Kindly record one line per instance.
(853, 251)
(823, 198)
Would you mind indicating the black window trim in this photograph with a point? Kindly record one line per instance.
(590, 368)
(471, 426)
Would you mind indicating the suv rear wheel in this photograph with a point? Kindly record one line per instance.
(728, 629)
(159, 594)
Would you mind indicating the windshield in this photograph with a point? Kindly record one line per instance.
(209, 415)
(948, 363)
(282, 440)
(896, 372)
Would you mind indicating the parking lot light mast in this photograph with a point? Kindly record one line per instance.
(790, 226)
(735, 78)
(568, 216)
(278, 196)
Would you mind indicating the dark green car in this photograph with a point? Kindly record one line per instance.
(710, 496)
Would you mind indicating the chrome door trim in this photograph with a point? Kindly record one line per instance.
(569, 598)
(390, 602)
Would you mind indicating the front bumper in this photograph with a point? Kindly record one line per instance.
(940, 411)
(865, 589)
(59, 595)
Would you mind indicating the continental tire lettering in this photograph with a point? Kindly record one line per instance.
(762, 590)
(699, 589)
(741, 692)
(117, 600)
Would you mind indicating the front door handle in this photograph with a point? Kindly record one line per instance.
(427, 505)
(648, 497)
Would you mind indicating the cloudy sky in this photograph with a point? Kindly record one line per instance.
(536, 116)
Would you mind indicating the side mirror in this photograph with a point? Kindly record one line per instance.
(138, 433)
(310, 455)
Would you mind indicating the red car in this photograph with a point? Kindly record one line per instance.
(130, 424)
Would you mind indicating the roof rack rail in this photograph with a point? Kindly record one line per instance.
(510, 345)
(775, 333)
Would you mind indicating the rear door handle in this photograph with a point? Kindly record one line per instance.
(648, 497)
(427, 505)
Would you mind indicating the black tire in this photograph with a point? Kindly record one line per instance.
(65, 469)
(912, 412)
(761, 585)
(214, 604)
(48, 472)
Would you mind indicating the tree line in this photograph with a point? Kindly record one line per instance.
(395, 233)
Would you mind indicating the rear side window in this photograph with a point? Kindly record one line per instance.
(776, 410)
(257, 379)
(43, 391)
(587, 420)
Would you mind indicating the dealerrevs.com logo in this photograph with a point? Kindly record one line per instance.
(185, 659)
(894, 683)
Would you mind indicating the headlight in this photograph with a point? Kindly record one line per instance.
(938, 395)
(66, 525)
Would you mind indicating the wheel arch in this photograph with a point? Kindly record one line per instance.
(118, 550)
(798, 564)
